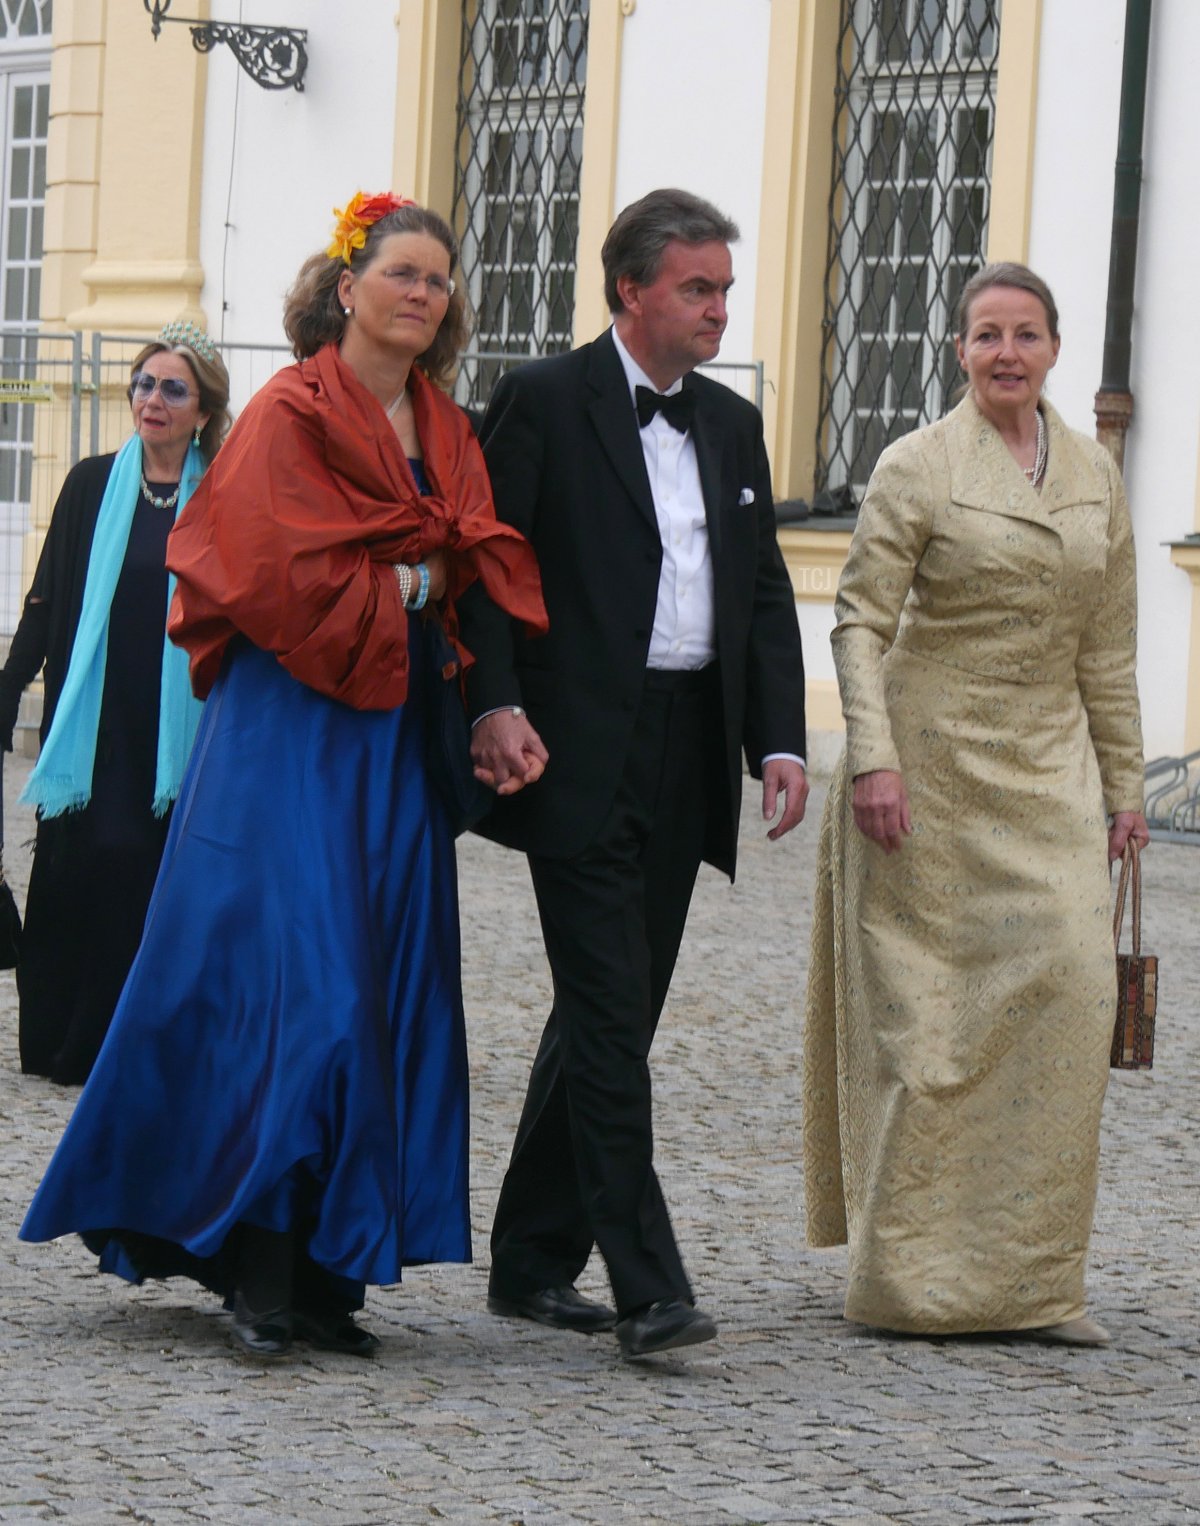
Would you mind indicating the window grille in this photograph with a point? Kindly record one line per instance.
(24, 18)
(913, 127)
(24, 118)
(522, 73)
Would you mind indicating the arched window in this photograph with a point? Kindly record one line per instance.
(914, 120)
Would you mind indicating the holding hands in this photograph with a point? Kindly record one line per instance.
(507, 752)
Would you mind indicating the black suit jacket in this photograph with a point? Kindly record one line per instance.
(562, 445)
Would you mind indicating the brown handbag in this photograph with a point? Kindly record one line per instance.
(1137, 978)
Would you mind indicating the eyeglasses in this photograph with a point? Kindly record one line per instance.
(174, 392)
(407, 279)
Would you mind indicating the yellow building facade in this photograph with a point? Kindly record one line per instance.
(126, 213)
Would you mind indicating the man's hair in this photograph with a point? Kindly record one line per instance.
(636, 241)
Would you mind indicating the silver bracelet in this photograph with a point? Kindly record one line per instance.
(404, 579)
(499, 710)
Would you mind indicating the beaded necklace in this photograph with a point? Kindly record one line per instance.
(159, 503)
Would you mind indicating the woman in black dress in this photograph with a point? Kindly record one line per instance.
(95, 618)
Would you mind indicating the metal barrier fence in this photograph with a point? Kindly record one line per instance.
(40, 417)
(63, 396)
(1173, 799)
(107, 363)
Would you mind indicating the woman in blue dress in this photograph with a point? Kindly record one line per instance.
(280, 1108)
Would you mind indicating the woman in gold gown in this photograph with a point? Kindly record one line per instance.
(962, 988)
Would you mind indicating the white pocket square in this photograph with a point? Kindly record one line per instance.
(745, 496)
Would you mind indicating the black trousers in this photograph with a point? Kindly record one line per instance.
(582, 1168)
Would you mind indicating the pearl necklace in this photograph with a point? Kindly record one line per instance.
(1034, 473)
(159, 503)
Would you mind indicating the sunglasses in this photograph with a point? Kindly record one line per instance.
(175, 393)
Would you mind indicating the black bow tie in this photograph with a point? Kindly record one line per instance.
(678, 408)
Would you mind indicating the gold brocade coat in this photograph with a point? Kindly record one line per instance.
(962, 991)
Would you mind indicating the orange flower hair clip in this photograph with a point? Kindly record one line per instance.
(353, 220)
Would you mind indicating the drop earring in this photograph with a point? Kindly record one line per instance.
(196, 437)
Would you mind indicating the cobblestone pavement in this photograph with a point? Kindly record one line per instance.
(130, 1405)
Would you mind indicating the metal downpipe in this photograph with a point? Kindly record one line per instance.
(1114, 401)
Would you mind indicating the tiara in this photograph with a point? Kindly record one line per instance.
(353, 220)
(181, 331)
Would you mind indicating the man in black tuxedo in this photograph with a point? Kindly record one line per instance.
(614, 743)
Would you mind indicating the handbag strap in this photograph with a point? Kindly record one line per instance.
(1131, 871)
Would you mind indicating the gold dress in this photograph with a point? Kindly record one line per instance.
(962, 991)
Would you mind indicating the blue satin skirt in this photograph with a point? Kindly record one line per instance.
(289, 1050)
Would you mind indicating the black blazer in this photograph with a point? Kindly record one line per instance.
(46, 632)
(562, 445)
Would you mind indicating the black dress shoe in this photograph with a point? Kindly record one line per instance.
(268, 1334)
(662, 1327)
(334, 1332)
(562, 1307)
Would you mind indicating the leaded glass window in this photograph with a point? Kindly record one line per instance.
(24, 18)
(914, 119)
(28, 113)
(516, 203)
(24, 111)
(24, 121)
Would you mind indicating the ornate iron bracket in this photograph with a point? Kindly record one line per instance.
(273, 56)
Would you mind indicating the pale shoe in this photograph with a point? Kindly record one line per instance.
(1072, 1332)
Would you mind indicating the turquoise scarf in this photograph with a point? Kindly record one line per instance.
(62, 778)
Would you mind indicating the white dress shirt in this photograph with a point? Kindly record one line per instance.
(683, 636)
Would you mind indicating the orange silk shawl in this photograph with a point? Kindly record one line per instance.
(290, 538)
